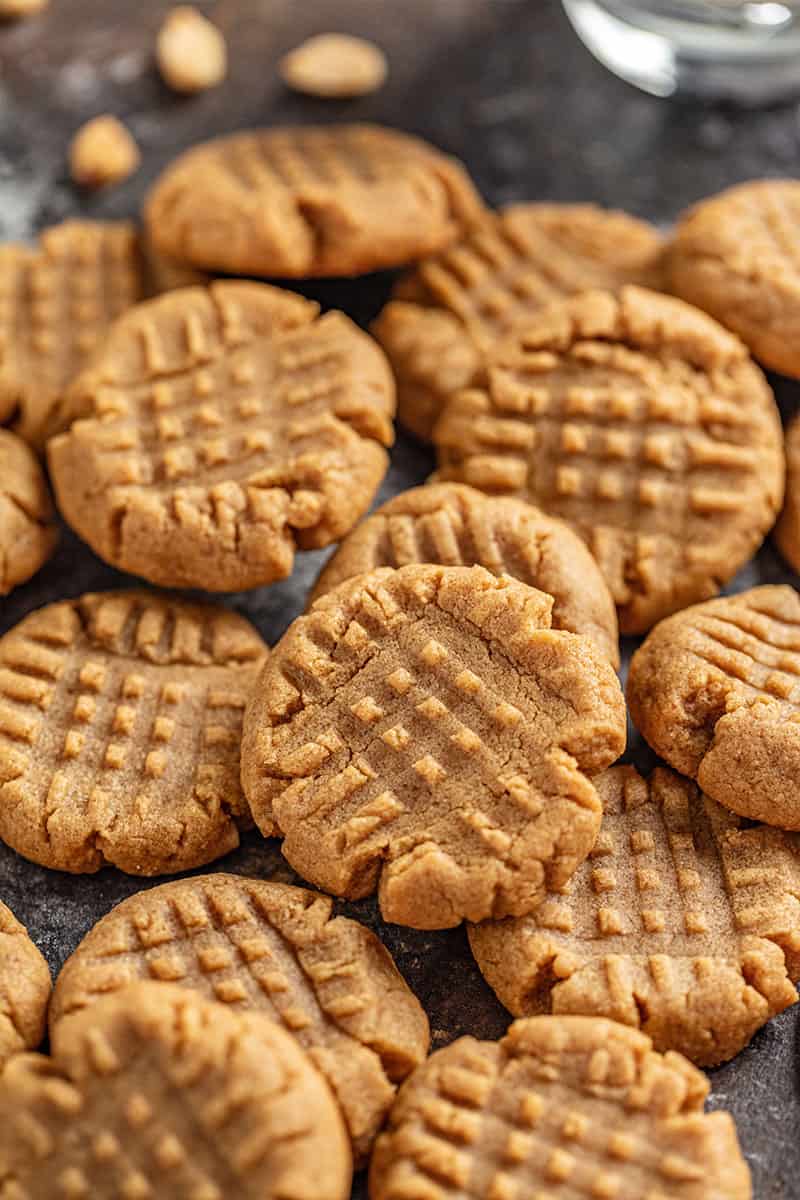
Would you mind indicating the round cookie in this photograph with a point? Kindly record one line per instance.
(737, 255)
(448, 313)
(24, 988)
(787, 531)
(455, 525)
(643, 424)
(683, 923)
(262, 946)
(156, 1092)
(715, 690)
(309, 201)
(28, 533)
(574, 1106)
(120, 719)
(223, 428)
(424, 731)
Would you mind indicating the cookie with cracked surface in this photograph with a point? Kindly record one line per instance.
(24, 988)
(683, 923)
(156, 1092)
(737, 255)
(787, 531)
(28, 532)
(302, 201)
(256, 945)
(447, 314)
(120, 720)
(642, 423)
(222, 429)
(425, 732)
(715, 690)
(576, 1106)
(455, 525)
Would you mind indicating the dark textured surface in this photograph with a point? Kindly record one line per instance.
(503, 84)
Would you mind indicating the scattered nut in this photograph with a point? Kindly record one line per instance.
(191, 52)
(103, 152)
(335, 65)
(21, 8)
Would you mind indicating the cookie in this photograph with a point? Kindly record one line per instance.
(683, 923)
(154, 1092)
(24, 989)
(224, 428)
(28, 533)
(787, 531)
(423, 731)
(309, 201)
(455, 525)
(737, 255)
(256, 945)
(561, 1106)
(448, 313)
(643, 424)
(715, 690)
(120, 719)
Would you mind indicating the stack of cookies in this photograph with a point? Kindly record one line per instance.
(440, 727)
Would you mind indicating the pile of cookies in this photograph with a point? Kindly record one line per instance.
(441, 726)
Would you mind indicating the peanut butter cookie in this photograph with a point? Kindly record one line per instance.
(156, 1092)
(716, 692)
(224, 427)
(787, 531)
(309, 200)
(448, 313)
(643, 424)
(561, 1106)
(28, 532)
(120, 719)
(455, 525)
(255, 945)
(682, 923)
(24, 989)
(424, 731)
(737, 255)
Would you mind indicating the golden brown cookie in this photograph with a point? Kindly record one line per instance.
(423, 731)
(455, 525)
(223, 428)
(682, 923)
(787, 531)
(715, 690)
(157, 1093)
(561, 1106)
(737, 255)
(120, 719)
(448, 313)
(24, 989)
(309, 200)
(643, 424)
(255, 945)
(28, 532)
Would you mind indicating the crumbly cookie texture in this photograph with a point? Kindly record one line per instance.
(683, 923)
(28, 533)
(156, 1092)
(787, 531)
(103, 152)
(715, 692)
(309, 200)
(224, 428)
(190, 50)
(335, 66)
(575, 1106)
(425, 732)
(737, 255)
(120, 720)
(455, 525)
(448, 312)
(24, 989)
(261, 946)
(642, 423)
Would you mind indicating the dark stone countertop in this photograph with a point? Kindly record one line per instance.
(505, 85)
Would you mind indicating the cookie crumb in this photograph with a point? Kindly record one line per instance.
(335, 66)
(103, 152)
(191, 51)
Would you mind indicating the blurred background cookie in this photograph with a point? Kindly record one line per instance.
(28, 532)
